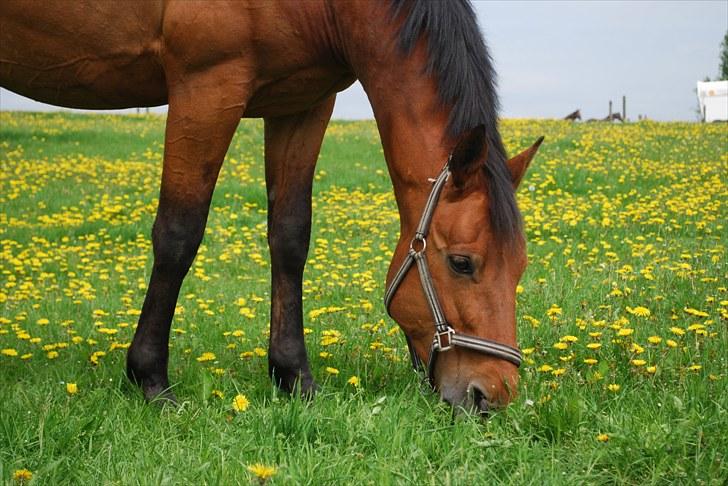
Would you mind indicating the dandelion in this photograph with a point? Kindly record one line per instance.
(654, 339)
(651, 369)
(545, 368)
(240, 403)
(594, 345)
(677, 331)
(639, 311)
(625, 331)
(613, 387)
(332, 371)
(262, 472)
(353, 381)
(9, 352)
(602, 437)
(561, 345)
(205, 357)
(638, 362)
(590, 361)
(260, 352)
(695, 367)
(22, 476)
(71, 388)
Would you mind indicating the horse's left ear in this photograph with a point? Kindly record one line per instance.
(468, 156)
(518, 164)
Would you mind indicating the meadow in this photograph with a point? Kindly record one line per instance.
(622, 317)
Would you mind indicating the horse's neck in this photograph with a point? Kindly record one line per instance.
(411, 119)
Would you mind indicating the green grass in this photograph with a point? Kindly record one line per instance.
(617, 216)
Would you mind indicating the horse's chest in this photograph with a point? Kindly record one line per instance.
(297, 91)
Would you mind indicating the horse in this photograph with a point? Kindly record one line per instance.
(573, 116)
(430, 81)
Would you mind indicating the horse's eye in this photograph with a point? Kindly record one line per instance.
(460, 264)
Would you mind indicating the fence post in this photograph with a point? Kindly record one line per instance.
(624, 108)
(610, 111)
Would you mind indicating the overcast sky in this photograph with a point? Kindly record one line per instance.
(555, 57)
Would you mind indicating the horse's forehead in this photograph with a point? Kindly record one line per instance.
(467, 221)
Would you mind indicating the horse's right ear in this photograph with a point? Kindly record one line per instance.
(468, 156)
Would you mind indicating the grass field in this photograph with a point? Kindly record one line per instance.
(622, 315)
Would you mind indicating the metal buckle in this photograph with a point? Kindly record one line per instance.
(415, 240)
(450, 332)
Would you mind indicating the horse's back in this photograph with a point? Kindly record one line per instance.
(83, 54)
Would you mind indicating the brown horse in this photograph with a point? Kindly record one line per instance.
(573, 116)
(428, 76)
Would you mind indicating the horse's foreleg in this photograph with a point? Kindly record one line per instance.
(203, 115)
(292, 145)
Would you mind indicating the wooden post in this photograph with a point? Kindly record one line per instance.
(624, 108)
(610, 111)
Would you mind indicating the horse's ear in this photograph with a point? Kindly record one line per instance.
(518, 164)
(468, 156)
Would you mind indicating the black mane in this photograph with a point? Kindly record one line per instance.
(460, 61)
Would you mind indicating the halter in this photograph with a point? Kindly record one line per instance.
(445, 337)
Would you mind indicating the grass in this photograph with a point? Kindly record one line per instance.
(621, 219)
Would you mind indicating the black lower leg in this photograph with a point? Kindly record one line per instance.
(176, 237)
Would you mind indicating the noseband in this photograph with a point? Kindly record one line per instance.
(445, 336)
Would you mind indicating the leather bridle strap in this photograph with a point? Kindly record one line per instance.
(445, 336)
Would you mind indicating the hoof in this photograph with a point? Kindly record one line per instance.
(155, 389)
(298, 383)
(158, 395)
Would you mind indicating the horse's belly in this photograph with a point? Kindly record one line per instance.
(77, 55)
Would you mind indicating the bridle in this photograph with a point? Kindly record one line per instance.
(445, 337)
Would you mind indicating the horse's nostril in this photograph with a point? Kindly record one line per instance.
(480, 402)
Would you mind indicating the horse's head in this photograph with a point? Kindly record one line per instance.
(474, 263)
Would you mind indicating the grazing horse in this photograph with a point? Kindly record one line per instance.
(430, 81)
(573, 116)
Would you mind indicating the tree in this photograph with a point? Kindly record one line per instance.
(723, 73)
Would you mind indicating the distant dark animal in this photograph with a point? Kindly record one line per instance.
(576, 115)
(612, 117)
(430, 81)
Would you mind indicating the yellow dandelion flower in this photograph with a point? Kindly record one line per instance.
(353, 381)
(651, 369)
(22, 476)
(625, 331)
(695, 312)
(240, 403)
(638, 362)
(654, 339)
(207, 356)
(594, 345)
(52, 354)
(332, 371)
(545, 368)
(569, 339)
(639, 311)
(590, 361)
(9, 352)
(613, 387)
(261, 471)
(43, 322)
(260, 352)
(602, 437)
(670, 343)
(561, 345)
(558, 371)
(71, 388)
(325, 354)
(217, 394)
(695, 367)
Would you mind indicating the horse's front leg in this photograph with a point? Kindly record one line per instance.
(292, 145)
(204, 112)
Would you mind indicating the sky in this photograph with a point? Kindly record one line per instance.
(554, 57)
